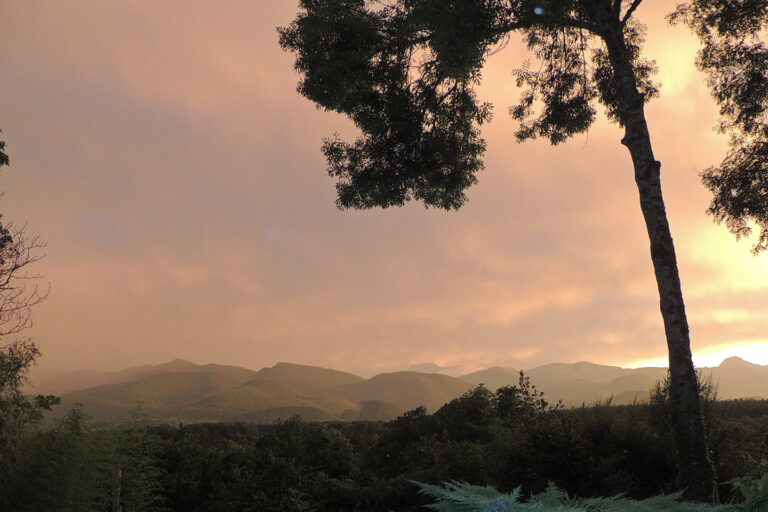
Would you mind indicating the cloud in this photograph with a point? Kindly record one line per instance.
(165, 156)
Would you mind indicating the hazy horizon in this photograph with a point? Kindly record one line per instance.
(40, 374)
(165, 157)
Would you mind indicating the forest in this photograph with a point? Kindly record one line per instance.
(507, 439)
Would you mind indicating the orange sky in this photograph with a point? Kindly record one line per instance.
(164, 156)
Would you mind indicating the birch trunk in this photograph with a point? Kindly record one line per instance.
(695, 470)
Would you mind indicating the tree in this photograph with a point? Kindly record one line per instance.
(19, 290)
(736, 63)
(405, 72)
(18, 293)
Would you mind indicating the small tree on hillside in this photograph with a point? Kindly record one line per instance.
(405, 72)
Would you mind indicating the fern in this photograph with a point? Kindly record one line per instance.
(456, 496)
(664, 502)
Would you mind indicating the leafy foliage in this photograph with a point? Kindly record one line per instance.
(575, 71)
(754, 488)
(405, 73)
(599, 450)
(18, 412)
(735, 59)
(420, 133)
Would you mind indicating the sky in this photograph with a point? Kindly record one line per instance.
(163, 154)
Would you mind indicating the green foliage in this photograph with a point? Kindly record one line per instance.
(487, 439)
(463, 497)
(18, 412)
(661, 397)
(75, 469)
(754, 488)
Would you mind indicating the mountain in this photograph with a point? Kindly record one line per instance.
(737, 378)
(557, 373)
(264, 394)
(586, 382)
(154, 396)
(83, 379)
(203, 396)
(621, 390)
(406, 390)
(493, 378)
(436, 368)
(182, 391)
(307, 376)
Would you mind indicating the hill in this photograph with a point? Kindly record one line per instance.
(406, 390)
(493, 378)
(84, 379)
(202, 396)
(311, 377)
(182, 391)
(737, 378)
(586, 382)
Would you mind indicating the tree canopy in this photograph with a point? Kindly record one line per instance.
(405, 73)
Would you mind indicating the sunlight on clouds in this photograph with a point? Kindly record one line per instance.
(753, 351)
(727, 316)
(507, 312)
(737, 268)
(676, 64)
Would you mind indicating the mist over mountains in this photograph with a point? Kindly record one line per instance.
(182, 391)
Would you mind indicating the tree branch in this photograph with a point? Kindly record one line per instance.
(17, 297)
(630, 11)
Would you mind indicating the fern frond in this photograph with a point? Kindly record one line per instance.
(552, 496)
(455, 496)
(661, 503)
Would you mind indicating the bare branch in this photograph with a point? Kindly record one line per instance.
(18, 292)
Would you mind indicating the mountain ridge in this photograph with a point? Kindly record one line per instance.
(180, 390)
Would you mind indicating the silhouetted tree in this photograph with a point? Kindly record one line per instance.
(405, 72)
(18, 293)
(735, 60)
(19, 290)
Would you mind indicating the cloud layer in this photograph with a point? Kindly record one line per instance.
(176, 176)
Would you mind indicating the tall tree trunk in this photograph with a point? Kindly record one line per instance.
(695, 470)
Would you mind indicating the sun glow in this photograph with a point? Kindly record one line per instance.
(753, 351)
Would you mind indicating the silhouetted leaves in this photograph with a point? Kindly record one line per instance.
(735, 59)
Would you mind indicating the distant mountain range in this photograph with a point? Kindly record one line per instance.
(182, 391)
